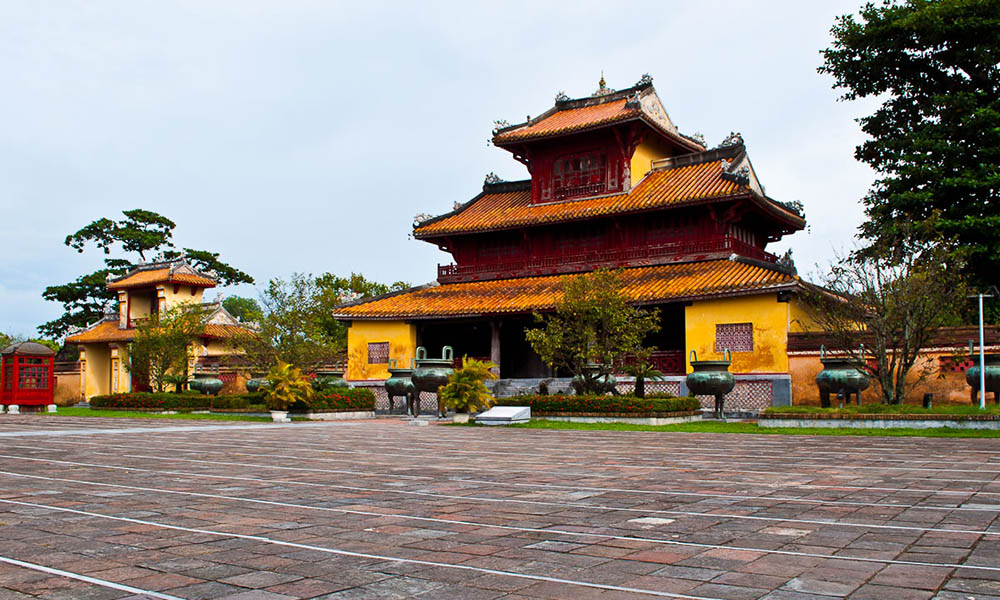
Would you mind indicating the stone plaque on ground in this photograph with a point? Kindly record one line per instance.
(505, 415)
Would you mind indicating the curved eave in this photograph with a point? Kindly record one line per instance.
(764, 289)
(795, 222)
(500, 142)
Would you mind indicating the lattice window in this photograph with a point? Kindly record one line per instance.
(378, 353)
(737, 337)
(580, 175)
(8, 376)
(33, 378)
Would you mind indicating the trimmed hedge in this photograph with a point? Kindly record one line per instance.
(343, 399)
(602, 404)
(183, 402)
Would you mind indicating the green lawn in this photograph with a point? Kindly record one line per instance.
(745, 427)
(69, 411)
(898, 409)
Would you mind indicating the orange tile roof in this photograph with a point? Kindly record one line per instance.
(514, 209)
(108, 331)
(155, 276)
(569, 120)
(104, 331)
(642, 285)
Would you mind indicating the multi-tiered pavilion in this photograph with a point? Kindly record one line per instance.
(613, 183)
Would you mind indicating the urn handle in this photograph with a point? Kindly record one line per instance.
(861, 354)
(447, 353)
(822, 352)
(972, 348)
(421, 353)
(392, 363)
(727, 355)
(694, 356)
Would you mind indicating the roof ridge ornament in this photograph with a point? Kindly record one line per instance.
(491, 178)
(500, 124)
(734, 138)
(646, 79)
(561, 96)
(421, 218)
(634, 102)
(602, 88)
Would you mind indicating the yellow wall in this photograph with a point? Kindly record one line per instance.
(644, 155)
(770, 331)
(140, 304)
(96, 376)
(402, 338)
(185, 293)
(799, 319)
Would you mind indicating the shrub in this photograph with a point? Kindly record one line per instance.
(286, 386)
(346, 399)
(603, 404)
(174, 401)
(465, 390)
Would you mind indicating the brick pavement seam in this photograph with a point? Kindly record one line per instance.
(337, 551)
(87, 579)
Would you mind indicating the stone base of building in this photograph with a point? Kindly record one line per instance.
(338, 415)
(616, 419)
(882, 422)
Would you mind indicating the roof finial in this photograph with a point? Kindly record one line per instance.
(602, 89)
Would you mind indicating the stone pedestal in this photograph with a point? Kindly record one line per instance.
(13, 409)
(51, 408)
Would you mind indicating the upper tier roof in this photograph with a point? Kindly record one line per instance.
(605, 107)
(176, 271)
(694, 178)
(642, 285)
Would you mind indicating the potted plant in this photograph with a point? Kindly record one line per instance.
(465, 391)
(286, 386)
(642, 370)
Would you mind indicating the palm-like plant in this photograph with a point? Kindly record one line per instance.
(642, 370)
(287, 386)
(465, 391)
(178, 380)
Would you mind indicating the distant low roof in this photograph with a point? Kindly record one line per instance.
(642, 285)
(31, 348)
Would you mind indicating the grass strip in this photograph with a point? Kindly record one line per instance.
(72, 411)
(750, 427)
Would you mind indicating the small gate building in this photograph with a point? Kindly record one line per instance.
(27, 377)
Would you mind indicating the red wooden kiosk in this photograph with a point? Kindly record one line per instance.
(27, 377)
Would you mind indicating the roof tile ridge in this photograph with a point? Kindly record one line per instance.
(697, 158)
(359, 301)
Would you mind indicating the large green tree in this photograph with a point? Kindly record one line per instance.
(160, 346)
(935, 138)
(141, 235)
(593, 328)
(296, 324)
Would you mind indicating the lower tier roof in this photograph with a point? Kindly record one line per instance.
(642, 285)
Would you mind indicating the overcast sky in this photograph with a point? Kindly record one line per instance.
(304, 136)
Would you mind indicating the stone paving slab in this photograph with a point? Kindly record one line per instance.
(168, 509)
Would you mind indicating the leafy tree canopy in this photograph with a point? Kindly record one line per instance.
(246, 310)
(593, 324)
(296, 325)
(160, 346)
(141, 235)
(935, 139)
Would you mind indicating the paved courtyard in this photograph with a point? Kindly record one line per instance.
(112, 508)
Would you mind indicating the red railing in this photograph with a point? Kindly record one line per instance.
(623, 257)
